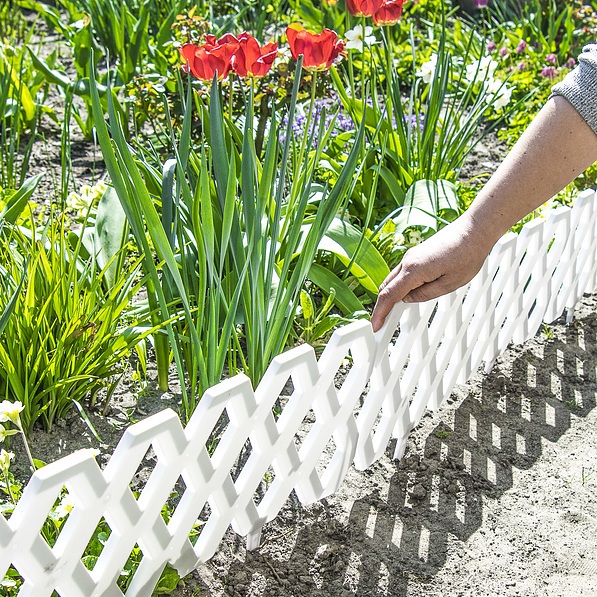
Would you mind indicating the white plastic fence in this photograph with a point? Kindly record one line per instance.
(528, 278)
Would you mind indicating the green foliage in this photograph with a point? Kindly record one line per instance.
(424, 137)
(536, 45)
(236, 237)
(65, 339)
(254, 235)
(21, 100)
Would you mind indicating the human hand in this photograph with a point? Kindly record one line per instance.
(444, 262)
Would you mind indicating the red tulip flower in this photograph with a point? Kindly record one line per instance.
(319, 50)
(363, 8)
(389, 12)
(214, 56)
(252, 60)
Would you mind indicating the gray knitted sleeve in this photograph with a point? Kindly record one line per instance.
(579, 87)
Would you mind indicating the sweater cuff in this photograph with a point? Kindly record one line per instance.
(579, 87)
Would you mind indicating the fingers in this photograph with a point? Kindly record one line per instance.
(394, 288)
(428, 292)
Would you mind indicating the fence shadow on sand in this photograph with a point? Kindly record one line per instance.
(436, 491)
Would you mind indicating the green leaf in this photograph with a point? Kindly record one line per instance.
(307, 305)
(79, 87)
(350, 245)
(168, 581)
(424, 201)
(109, 233)
(344, 298)
(11, 304)
(18, 201)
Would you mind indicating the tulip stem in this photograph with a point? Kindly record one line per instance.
(389, 65)
(310, 112)
(231, 88)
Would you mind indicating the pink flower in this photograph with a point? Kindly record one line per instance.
(521, 47)
(504, 51)
(549, 72)
(491, 46)
(551, 59)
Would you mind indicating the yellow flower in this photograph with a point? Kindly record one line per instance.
(64, 508)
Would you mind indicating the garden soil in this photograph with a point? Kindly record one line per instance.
(496, 494)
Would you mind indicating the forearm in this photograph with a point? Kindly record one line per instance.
(557, 146)
(552, 152)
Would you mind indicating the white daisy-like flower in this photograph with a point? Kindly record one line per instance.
(357, 38)
(481, 70)
(64, 508)
(499, 94)
(8, 582)
(427, 69)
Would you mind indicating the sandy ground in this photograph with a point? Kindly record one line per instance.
(496, 495)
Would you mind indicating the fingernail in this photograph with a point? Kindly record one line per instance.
(407, 299)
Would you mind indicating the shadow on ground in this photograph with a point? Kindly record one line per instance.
(399, 533)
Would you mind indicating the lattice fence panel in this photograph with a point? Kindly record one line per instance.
(304, 442)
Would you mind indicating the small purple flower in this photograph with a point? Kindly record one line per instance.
(571, 63)
(415, 120)
(491, 46)
(551, 59)
(504, 51)
(342, 123)
(549, 72)
(481, 3)
(521, 47)
(521, 66)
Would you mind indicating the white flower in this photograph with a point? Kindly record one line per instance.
(283, 57)
(399, 239)
(8, 582)
(481, 70)
(64, 508)
(4, 433)
(9, 411)
(498, 93)
(5, 458)
(356, 39)
(427, 69)
(82, 200)
(414, 237)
